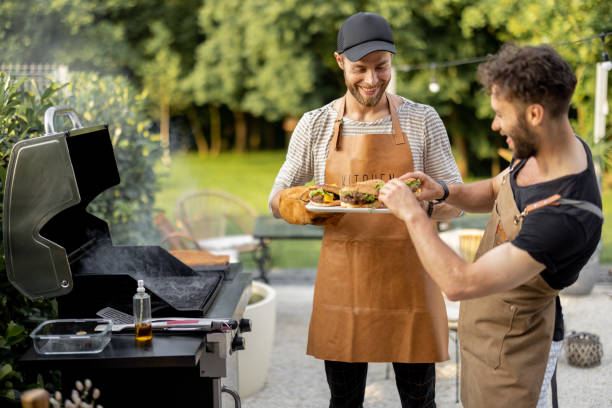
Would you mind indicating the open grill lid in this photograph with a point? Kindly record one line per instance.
(50, 181)
(52, 244)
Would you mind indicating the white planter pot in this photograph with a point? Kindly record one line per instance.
(254, 360)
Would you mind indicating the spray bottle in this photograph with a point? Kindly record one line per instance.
(142, 315)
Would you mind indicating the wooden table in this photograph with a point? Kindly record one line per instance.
(268, 228)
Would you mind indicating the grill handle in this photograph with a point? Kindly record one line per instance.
(54, 111)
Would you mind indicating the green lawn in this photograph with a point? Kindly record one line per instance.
(250, 177)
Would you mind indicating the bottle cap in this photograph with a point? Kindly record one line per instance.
(140, 288)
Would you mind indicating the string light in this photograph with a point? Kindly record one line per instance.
(429, 65)
(434, 87)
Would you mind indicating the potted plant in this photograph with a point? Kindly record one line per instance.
(254, 360)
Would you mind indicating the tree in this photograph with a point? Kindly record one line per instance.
(553, 22)
(265, 58)
(161, 76)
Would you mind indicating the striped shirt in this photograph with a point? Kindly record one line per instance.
(309, 144)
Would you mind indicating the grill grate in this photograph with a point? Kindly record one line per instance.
(118, 317)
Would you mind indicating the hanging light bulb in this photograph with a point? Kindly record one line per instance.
(434, 87)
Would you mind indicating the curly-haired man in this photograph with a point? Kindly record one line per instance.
(545, 223)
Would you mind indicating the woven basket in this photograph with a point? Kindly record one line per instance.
(583, 349)
(469, 241)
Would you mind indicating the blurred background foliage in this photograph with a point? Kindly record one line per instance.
(113, 100)
(234, 75)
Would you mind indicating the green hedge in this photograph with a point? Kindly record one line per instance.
(21, 115)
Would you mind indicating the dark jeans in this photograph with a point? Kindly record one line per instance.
(416, 384)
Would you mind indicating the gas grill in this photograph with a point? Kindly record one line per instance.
(55, 248)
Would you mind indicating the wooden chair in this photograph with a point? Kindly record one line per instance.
(219, 222)
(171, 238)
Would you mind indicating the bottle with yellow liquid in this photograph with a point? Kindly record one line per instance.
(142, 315)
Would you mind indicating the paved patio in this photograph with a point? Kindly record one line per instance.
(297, 380)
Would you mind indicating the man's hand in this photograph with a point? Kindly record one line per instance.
(400, 199)
(292, 208)
(430, 189)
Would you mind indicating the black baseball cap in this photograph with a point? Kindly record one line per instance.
(363, 33)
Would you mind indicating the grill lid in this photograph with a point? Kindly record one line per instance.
(50, 181)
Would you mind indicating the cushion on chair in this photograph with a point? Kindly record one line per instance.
(230, 242)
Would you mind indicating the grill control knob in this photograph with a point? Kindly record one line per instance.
(238, 343)
(245, 325)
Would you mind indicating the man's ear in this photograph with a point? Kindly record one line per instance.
(339, 60)
(534, 114)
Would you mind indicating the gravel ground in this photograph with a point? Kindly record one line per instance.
(298, 380)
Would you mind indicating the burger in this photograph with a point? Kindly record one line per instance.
(414, 184)
(324, 195)
(361, 195)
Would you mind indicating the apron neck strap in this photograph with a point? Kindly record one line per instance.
(394, 104)
(393, 101)
(338, 123)
(538, 204)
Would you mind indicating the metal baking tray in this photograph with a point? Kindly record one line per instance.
(72, 336)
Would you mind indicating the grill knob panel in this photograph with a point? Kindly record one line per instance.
(245, 325)
(238, 343)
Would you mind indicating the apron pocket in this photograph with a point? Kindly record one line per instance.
(500, 329)
(485, 325)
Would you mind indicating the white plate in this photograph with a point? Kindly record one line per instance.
(338, 209)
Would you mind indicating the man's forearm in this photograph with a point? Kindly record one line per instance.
(444, 212)
(477, 197)
(441, 262)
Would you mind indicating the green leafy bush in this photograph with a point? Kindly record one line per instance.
(128, 207)
(21, 115)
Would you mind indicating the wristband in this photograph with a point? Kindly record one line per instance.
(446, 192)
(430, 208)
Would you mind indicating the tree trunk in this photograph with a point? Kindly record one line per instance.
(289, 125)
(255, 134)
(241, 132)
(460, 145)
(164, 126)
(215, 129)
(461, 153)
(198, 135)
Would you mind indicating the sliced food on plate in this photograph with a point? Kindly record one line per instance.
(362, 195)
(324, 195)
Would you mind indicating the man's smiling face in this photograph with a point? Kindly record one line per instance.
(510, 122)
(367, 79)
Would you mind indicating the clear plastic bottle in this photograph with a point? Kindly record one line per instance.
(142, 315)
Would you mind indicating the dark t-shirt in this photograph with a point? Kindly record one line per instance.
(563, 237)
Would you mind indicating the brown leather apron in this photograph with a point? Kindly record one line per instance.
(505, 337)
(373, 300)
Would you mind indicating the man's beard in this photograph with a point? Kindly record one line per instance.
(367, 100)
(525, 141)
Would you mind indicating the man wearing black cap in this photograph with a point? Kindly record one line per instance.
(373, 301)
